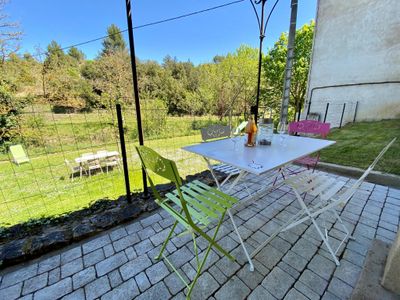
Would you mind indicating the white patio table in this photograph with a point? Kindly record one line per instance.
(101, 155)
(257, 160)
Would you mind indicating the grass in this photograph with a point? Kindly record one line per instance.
(358, 144)
(43, 188)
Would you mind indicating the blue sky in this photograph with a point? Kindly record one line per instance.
(197, 38)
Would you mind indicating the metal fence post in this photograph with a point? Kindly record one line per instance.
(326, 111)
(135, 86)
(123, 152)
(341, 118)
(355, 112)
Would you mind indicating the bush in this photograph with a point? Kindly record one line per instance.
(154, 116)
(9, 112)
(61, 109)
(198, 124)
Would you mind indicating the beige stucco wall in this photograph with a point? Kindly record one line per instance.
(356, 41)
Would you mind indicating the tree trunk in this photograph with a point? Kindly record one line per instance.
(289, 62)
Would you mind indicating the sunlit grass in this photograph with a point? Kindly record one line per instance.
(43, 187)
(358, 144)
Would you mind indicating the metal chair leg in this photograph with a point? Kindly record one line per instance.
(212, 243)
(166, 241)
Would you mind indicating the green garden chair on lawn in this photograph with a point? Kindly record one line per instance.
(18, 154)
(194, 205)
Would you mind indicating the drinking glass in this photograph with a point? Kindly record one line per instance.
(234, 138)
(282, 130)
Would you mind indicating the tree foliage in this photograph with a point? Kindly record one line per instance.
(224, 86)
(9, 34)
(228, 84)
(114, 42)
(274, 67)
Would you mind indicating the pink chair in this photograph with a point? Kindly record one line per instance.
(309, 128)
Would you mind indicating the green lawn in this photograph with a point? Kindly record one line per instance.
(358, 144)
(42, 187)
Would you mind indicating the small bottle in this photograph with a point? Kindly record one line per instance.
(251, 130)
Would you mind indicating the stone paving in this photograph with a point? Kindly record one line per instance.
(119, 264)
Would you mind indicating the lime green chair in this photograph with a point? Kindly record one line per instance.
(194, 205)
(18, 154)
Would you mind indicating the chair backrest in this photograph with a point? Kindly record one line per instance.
(241, 127)
(350, 192)
(18, 154)
(309, 127)
(215, 131)
(68, 164)
(161, 166)
(166, 168)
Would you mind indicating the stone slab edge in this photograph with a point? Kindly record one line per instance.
(369, 283)
(376, 177)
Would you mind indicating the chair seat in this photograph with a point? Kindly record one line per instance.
(307, 161)
(315, 184)
(226, 169)
(204, 203)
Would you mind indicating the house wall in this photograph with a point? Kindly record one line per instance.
(356, 41)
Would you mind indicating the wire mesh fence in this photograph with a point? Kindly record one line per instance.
(337, 114)
(51, 184)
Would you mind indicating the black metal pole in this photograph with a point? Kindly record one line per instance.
(260, 59)
(341, 118)
(123, 152)
(308, 108)
(135, 84)
(355, 112)
(326, 112)
(298, 115)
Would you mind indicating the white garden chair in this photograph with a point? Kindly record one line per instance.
(331, 194)
(111, 162)
(74, 169)
(92, 165)
(218, 132)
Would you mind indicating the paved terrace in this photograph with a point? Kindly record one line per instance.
(119, 264)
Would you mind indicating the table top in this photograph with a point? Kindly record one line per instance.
(259, 159)
(96, 156)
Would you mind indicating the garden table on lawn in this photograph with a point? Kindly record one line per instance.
(258, 161)
(94, 156)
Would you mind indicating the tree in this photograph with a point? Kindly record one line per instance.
(9, 111)
(9, 35)
(64, 84)
(274, 66)
(112, 79)
(55, 57)
(76, 54)
(228, 86)
(114, 41)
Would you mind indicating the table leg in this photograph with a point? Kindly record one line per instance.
(212, 172)
(235, 182)
(251, 266)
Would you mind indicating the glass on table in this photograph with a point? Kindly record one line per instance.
(235, 138)
(282, 131)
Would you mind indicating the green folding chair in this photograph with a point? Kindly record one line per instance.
(194, 205)
(18, 154)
